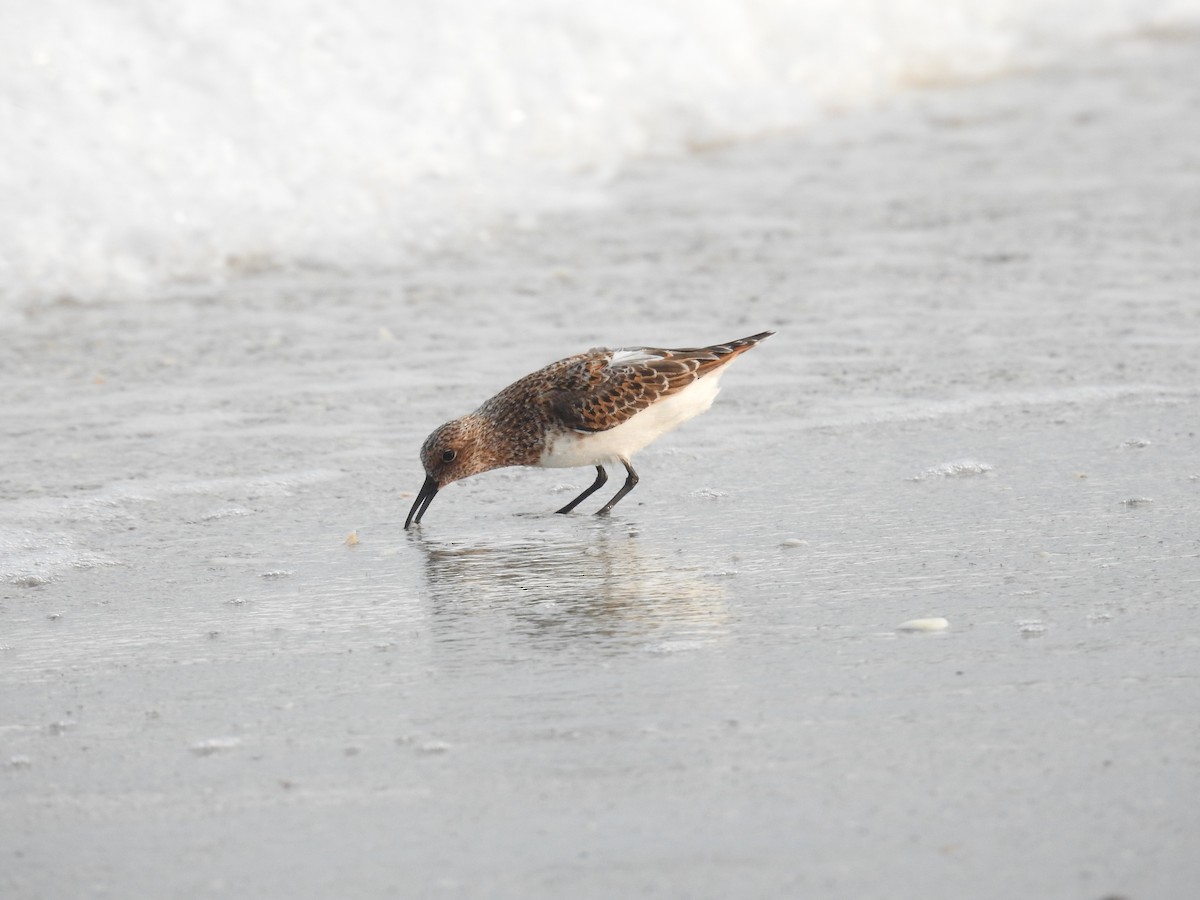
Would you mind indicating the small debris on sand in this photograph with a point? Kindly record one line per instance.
(933, 624)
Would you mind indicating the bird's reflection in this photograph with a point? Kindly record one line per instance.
(601, 585)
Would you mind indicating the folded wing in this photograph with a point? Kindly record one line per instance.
(599, 390)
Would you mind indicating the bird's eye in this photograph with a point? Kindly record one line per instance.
(448, 455)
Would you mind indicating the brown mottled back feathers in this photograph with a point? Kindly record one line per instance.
(591, 392)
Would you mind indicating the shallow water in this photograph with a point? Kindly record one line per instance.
(153, 144)
(982, 403)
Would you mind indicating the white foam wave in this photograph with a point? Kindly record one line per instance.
(146, 142)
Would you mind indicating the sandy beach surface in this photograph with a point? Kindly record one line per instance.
(982, 404)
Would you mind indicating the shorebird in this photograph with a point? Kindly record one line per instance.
(592, 409)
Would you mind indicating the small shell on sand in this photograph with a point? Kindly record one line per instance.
(934, 624)
(352, 539)
(794, 542)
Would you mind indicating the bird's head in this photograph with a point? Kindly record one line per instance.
(454, 451)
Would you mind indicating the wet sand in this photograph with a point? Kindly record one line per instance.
(982, 403)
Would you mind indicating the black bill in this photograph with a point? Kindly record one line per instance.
(428, 491)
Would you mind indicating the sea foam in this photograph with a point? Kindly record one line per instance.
(145, 144)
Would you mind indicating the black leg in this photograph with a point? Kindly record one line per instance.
(630, 482)
(601, 477)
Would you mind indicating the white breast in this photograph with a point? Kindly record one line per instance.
(575, 449)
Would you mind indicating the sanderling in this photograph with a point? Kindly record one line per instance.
(593, 408)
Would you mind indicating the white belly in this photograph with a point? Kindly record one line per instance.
(575, 449)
